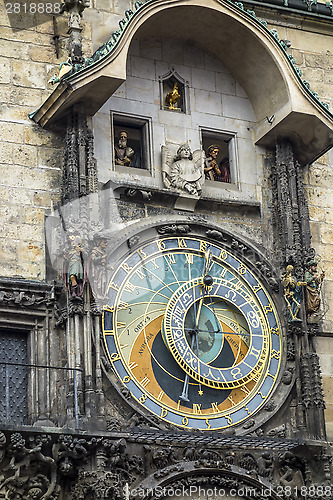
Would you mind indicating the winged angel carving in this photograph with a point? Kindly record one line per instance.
(185, 171)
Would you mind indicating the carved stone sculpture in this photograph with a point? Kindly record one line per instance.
(122, 152)
(313, 284)
(292, 294)
(96, 267)
(184, 172)
(74, 271)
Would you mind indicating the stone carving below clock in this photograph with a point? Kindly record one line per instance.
(185, 171)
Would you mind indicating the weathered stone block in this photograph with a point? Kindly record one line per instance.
(151, 48)
(319, 60)
(203, 79)
(35, 135)
(120, 6)
(140, 89)
(4, 195)
(328, 385)
(11, 214)
(12, 132)
(328, 76)
(20, 196)
(5, 92)
(329, 216)
(320, 197)
(10, 231)
(29, 74)
(13, 113)
(225, 83)
(15, 50)
(50, 157)
(33, 215)
(42, 54)
(6, 152)
(142, 67)
(28, 36)
(326, 234)
(26, 97)
(12, 176)
(5, 70)
(213, 63)
(237, 107)
(31, 232)
(172, 51)
(313, 76)
(208, 102)
(316, 213)
(44, 199)
(30, 251)
(8, 250)
(298, 55)
(326, 364)
(31, 270)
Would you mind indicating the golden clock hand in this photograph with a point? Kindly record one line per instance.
(208, 262)
(184, 394)
(198, 313)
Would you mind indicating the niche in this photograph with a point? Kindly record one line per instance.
(174, 92)
(131, 142)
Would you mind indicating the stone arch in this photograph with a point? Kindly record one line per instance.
(282, 104)
(228, 482)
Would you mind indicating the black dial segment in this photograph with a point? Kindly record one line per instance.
(171, 379)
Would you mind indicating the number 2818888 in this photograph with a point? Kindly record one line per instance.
(33, 8)
(315, 491)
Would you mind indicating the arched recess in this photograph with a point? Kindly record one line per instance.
(204, 479)
(249, 51)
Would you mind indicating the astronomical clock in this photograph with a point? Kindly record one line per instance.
(190, 329)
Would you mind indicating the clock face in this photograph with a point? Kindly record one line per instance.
(191, 332)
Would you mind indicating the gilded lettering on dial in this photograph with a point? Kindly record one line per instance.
(170, 258)
(182, 243)
(197, 408)
(189, 258)
(215, 407)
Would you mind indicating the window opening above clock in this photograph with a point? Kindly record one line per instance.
(220, 159)
(174, 92)
(131, 142)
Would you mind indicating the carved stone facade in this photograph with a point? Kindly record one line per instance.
(72, 428)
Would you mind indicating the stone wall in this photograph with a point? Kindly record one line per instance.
(30, 157)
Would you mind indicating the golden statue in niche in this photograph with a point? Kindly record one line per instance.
(172, 98)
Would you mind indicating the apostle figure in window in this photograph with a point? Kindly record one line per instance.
(122, 152)
(212, 170)
(225, 170)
